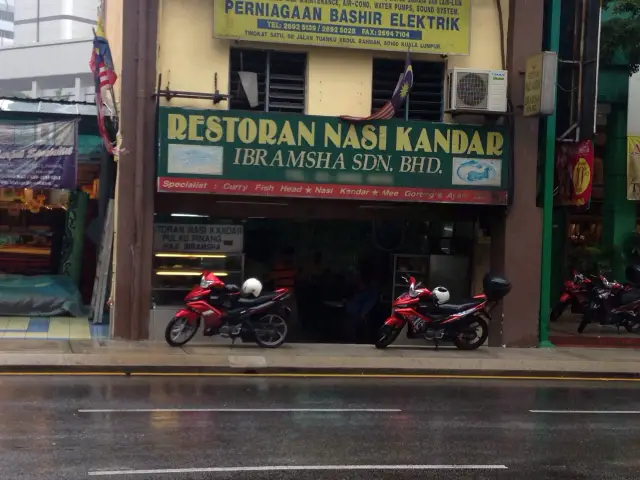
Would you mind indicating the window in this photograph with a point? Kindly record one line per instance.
(426, 100)
(6, 16)
(6, 34)
(281, 80)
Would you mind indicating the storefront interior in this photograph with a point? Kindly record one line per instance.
(349, 257)
(49, 241)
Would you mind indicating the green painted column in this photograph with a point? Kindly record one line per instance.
(548, 148)
(619, 214)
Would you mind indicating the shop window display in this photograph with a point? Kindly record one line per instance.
(343, 272)
(31, 229)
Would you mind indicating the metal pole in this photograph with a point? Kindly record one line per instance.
(553, 43)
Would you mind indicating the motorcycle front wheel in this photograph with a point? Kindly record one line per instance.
(179, 331)
(386, 336)
(557, 311)
(473, 335)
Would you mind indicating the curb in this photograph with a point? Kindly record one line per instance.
(154, 370)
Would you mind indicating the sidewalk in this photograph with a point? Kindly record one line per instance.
(49, 356)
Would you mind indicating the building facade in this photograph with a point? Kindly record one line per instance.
(50, 48)
(285, 98)
(7, 20)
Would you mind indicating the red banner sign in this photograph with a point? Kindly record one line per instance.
(333, 191)
(574, 173)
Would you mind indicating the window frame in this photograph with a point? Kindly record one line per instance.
(406, 107)
(267, 82)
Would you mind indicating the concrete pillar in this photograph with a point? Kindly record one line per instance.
(78, 95)
(619, 214)
(135, 185)
(35, 90)
(516, 235)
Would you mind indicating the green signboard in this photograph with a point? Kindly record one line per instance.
(282, 155)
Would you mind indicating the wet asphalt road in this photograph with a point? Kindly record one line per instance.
(423, 425)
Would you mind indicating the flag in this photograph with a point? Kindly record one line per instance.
(389, 109)
(105, 78)
(101, 59)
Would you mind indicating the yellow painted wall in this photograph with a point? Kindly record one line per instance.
(339, 80)
(113, 30)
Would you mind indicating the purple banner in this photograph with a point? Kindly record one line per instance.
(39, 155)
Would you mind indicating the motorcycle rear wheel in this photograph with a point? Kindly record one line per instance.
(174, 324)
(277, 331)
(386, 336)
(464, 343)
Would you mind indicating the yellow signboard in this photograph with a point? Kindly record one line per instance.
(633, 167)
(533, 85)
(423, 26)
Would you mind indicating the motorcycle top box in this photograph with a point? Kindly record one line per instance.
(495, 287)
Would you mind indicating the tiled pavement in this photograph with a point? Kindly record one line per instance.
(50, 328)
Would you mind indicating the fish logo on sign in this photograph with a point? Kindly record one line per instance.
(476, 172)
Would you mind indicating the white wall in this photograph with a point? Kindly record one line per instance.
(44, 60)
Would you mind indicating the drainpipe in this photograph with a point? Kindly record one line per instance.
(552, 40)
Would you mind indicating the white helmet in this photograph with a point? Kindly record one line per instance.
(252, 286)
(441, 294)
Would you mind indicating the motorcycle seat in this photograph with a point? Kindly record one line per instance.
(264, 298)
(451, 308)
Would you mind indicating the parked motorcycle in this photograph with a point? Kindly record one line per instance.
(465, 324)
(612, 303)
(224, 311)
(575, 293)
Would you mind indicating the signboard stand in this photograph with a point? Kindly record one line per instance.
(104, 267)
(540, 84)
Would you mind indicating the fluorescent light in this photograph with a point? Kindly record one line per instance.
(190, 255)
(189, 215)
(187, 273)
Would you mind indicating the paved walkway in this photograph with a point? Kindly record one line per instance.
(140, 357)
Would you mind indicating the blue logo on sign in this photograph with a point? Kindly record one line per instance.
(475, 171)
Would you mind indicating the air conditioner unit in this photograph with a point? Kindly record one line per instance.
(477, 90)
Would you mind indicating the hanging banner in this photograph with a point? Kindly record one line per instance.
(633, 168)
(39, 155)
(574, 173)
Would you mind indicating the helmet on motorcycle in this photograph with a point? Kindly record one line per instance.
(441, 295)
(252, 286)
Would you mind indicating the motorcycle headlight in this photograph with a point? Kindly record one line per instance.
(204, 283)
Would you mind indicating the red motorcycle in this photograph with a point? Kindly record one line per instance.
(466, 325)
(575, 293)
(225, 312)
